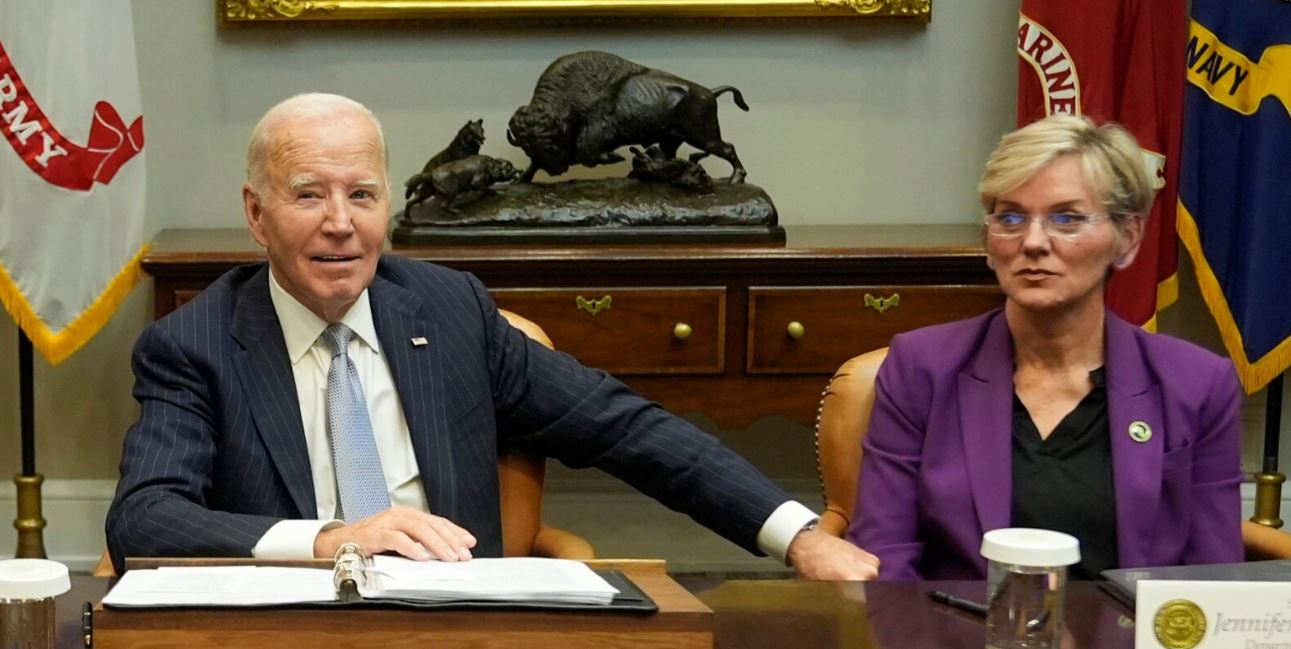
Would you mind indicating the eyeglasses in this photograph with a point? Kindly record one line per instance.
(1068, 225)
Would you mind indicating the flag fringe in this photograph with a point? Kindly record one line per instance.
(1254, 375)
(1167, 295)
(1168, 292)
(57, 346)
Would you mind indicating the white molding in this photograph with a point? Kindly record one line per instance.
(617, 521)
(628, 524)
(65, 490)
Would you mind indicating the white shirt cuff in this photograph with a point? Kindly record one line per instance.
(781, 527)
(291, 539)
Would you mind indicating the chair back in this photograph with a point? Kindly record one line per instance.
(520, 480)
(841, 423)
(521, 475)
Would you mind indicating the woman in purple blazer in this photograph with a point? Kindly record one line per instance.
(1052, 412)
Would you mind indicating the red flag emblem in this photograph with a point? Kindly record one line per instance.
(55, 158)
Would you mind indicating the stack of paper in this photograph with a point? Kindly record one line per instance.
(554, 581)
(222, 586)
(512, 580)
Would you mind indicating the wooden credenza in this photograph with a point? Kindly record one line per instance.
(734, 332)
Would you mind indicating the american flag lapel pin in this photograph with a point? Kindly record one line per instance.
(418, 341)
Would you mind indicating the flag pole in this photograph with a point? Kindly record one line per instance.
(1268, 482)
(29, 523)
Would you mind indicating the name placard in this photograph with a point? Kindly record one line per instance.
(1212, 615)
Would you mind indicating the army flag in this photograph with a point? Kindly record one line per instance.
(1235, 196)
(1120, 61)
(71, 167)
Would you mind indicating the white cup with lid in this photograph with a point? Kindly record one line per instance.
(1026, 586)
(27, 591)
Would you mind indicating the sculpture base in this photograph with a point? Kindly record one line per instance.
(603, 211)
(413, 236)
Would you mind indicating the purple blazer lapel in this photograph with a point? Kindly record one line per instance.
(1133, 399)
(985, 421)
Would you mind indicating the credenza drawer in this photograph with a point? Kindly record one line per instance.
(814, 329)
(630, 330)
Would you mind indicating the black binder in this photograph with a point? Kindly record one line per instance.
(1122, 583)
(350, 570)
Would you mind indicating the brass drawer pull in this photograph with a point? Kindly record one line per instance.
(681, 331)
(796, 330)
(593, 306)
(882, 304)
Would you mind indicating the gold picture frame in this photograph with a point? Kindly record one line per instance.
(269, 11)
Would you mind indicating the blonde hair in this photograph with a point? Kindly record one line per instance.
(306, 105)
(1109, 157)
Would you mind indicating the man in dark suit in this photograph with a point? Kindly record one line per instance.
(336, 394)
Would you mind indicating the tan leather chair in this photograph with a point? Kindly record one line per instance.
(1264, 543)
(844, 418)
(520, 479)
(841, 422)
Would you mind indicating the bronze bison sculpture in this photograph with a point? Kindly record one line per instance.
(588, 104)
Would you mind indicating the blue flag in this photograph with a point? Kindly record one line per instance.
(1235, 179)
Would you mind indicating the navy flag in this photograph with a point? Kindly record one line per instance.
(1235, 179)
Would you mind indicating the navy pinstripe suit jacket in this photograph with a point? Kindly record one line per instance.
(218, 455)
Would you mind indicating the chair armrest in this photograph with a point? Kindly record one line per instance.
(555, 543)
(833, 522)
(105, 569)
(1264, 543)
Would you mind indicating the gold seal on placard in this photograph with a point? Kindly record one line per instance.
(1179, 624)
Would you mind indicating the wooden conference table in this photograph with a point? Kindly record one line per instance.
(753, 614)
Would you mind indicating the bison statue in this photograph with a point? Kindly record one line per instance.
(588, 104)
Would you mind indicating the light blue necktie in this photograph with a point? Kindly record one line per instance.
(360, 484)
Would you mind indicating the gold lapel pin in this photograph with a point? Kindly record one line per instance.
(1140, 431)
(418, 341)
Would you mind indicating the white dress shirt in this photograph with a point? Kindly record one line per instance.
(310, 361)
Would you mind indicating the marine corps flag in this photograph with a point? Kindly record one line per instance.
(1120, 61)
(1235, 182)
(71, 167)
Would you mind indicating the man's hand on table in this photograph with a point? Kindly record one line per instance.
(409, 532)
(817, 555)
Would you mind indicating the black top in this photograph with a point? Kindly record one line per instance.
(1064, 483)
